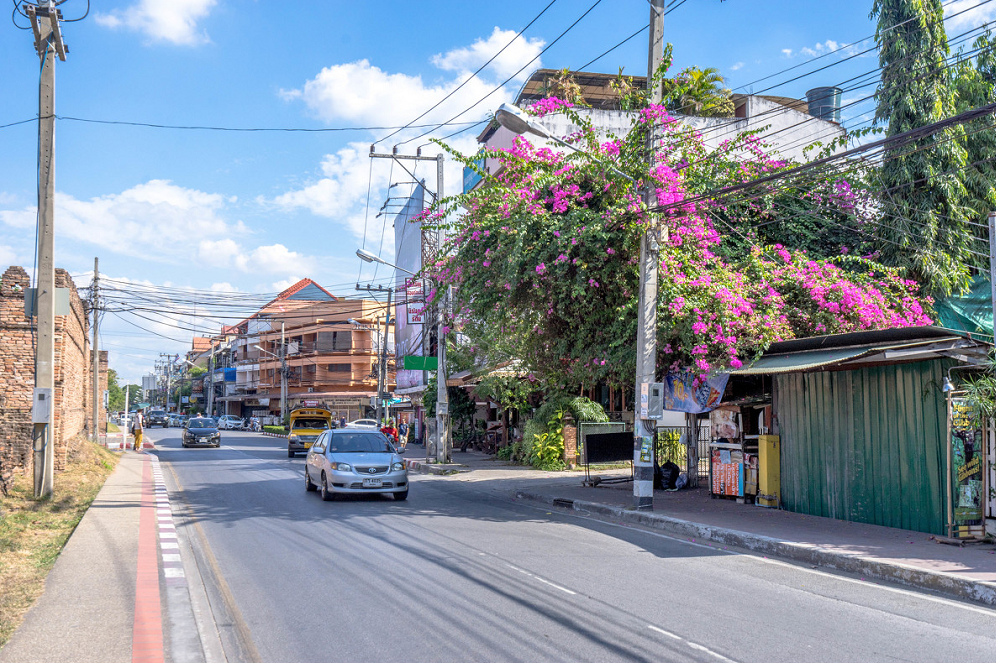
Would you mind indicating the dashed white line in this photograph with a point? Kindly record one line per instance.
(694, 645)
(542, 580)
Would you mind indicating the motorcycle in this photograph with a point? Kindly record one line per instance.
(254, 426)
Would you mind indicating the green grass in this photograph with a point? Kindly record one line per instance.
(33, 531)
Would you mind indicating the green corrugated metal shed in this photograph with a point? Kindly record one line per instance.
(865, 444)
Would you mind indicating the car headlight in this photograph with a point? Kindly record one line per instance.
(217, 434)
(397, 467)
(292, 438)
(341, 467)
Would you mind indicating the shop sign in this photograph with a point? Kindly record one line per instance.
(967, 452)
(682, 395)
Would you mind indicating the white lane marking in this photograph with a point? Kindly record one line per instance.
(171, 557)
(173, 572)
(542, 580)
(667, 633)
(169, 544)
(706, 650)
(694, 645)
(715, 548)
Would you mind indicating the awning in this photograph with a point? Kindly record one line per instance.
(955, 347)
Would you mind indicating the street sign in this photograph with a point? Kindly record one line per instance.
(415, 312)
(415, 363)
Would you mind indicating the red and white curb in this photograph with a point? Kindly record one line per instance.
(169, 548)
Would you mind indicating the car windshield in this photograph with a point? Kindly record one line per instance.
(319, 424)
(359, 443)
(202, 423)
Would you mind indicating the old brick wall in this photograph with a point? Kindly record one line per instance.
(72, 371)
(72, 374)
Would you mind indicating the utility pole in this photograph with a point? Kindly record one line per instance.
(166, 369)
(382, 350)
(992, 265)
(283, 374)
(210, 401)
(645, 430)
(429, 255)
(96, 354)
(48, 43)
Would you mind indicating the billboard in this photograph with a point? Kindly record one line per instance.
(410, 307)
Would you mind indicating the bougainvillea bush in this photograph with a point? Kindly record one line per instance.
(544, 258)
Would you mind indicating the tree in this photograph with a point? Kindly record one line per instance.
(700, 92)
(115, 394)
(924, 223)
(973, 84)
(545, 260)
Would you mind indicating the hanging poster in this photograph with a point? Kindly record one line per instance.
(967, 466)
(682, 395)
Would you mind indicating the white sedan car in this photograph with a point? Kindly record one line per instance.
(352, 461)
(363, 423)
(230, 422)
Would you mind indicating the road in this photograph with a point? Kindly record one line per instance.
(461, 572)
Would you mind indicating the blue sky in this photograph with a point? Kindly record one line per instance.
(253, 212)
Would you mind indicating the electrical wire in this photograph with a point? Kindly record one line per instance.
(470, 77)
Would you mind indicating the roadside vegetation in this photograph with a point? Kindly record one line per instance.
(33, 531)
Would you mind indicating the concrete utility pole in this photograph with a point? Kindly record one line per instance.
(210, 397)
(283, 375)
(166, 368)
(645, 430)
(442, 397)
(442, 400)
(382, 351)
(48, 43)
(96, 353)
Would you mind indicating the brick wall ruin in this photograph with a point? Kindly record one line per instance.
(71, 413)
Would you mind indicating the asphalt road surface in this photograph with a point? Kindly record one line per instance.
(460, 572)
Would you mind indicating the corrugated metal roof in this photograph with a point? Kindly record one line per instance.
(807, 360)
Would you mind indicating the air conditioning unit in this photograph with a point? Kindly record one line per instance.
(311, 390)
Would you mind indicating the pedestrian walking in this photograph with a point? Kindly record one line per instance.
(137, 429)
(403, 433)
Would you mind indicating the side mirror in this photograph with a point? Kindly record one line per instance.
(400, 452)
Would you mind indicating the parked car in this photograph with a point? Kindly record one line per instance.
(201, 431)
(156, 418)
(230, 422)
(363, 423)
(357, 460)
(306, 424)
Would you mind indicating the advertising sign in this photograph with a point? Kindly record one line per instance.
(681, 395)
(967, 467)
(410, 310)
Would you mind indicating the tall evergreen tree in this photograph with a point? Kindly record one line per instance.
(923, 226)
(973, 82)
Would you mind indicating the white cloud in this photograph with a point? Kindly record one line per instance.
(820, 49)
(280, 286)
(157, 213)
(787, 52)
(223, 287)
(517, 52)
(8, 257)
(277, 259)
(737, 66)
(977, 13)
(173, 21)
(7, 198)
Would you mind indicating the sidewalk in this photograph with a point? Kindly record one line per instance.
(86, 612)
(870, 551)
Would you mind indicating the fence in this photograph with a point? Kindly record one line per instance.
(671, 445)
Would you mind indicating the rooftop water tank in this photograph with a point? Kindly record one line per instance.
(824, 103)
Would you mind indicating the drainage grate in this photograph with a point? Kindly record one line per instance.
(561, 501)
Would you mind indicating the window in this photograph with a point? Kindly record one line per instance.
(338, 368)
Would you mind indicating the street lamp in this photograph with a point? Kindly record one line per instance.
(366, 256)
(515, 120)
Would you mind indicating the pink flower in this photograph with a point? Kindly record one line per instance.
(540, 267)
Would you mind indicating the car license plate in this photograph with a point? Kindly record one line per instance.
(202, 440)
(307, 445)
(373, 483)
